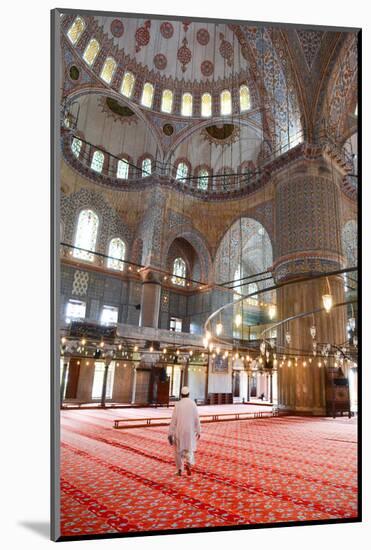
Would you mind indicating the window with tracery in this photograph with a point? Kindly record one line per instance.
(127, 85)
(108, 70)
(97, 161)
(123, 169)
(203, 179)
(206, 106)
(86, 235)
(182, 171)
(167, 101)
(146, 167)
(91, 51)
(76, 30)
(244, 98)
(147, 95)
(76, 147)
(187, 104)
(179, 272)
(116, 252)
(225, 102)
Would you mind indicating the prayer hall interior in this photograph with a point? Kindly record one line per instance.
(208, 238)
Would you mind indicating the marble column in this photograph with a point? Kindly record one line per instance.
(134, 386)
(64, 378)
(308, 243)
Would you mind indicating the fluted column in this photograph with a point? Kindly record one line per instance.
(308, 242)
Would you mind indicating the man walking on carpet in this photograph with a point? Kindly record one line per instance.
(184, 431)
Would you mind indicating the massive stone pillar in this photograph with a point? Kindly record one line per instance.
(308, 243)
(150, 301)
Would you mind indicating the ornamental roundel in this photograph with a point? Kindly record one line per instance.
(167, 29)
(226, 49)
(207, 68)
(203, 37)
(184, 55)
(142, 36)
(160, 61)
(117, 28)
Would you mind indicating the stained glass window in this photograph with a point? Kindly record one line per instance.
(206, 104)
(99, 378)
(76, 30)
(86, 235)
(97, 161)
(108, 69)
(127, 84)
(182, 171)
(116, 252)
(244, 98)
(123, 169)
(76, 147)
(203, 179)
(146, 167)
(167, 101)
(225, 102)
(75, 310)
(147, 95)
(187, 104)
(109, 315)
(179, 271)
(91, 51)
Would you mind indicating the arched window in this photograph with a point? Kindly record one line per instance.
(225, 102)
(206, 105)
(146, 167)
(91, 51)
(123, 169)
(187, 104)
(97, 161)
(203, 179)
(116, 252)
(86, 235)
(179, 271)
(127, 85)
(181, 171)
(76, 147)
(108, 70)
(167, 101)
(147, 95)
(76, 30)
(244, 98)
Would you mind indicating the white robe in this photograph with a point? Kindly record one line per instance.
(185, 425)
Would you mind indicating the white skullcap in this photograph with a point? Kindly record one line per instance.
(185, 390)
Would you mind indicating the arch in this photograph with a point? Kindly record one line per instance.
(196, 240)
(86, 235)
(116, 252)
(246, 245)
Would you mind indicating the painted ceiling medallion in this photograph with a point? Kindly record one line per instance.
(207, 68)
(117, 28)
(186, 24)
(167, 29)
(160, 61)
(226, 49)
(142, 36)
(224, 134)
(184, 54)
(203, 37)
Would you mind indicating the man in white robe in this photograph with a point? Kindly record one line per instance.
(184, 431)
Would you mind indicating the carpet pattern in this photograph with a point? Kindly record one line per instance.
(246, 472)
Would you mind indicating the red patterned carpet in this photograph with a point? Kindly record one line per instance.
(247, 472)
